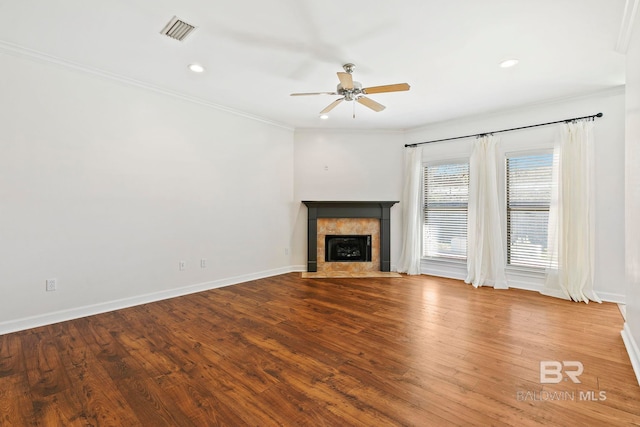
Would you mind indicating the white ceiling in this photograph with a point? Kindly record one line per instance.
(258, 52)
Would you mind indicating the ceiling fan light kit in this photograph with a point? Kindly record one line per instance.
(351, 90)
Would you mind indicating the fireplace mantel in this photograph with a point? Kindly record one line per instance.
(349, 209)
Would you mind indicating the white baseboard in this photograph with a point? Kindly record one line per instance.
(90, 310)
(449, 270)
(516, 280)
(609, 297)
(632, 350)
(623, 311)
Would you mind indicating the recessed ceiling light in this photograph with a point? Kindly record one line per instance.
(509, 63)
(324, 117)
(196, 68)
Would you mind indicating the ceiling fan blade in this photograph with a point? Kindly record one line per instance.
(398, 87)
(346, 80)
(313, 93)
(368, 102)
(331, 106)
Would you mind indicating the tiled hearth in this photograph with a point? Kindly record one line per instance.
(349, 218)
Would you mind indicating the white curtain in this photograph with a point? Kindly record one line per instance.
(571, 220)
(409, 261)
(485, 252)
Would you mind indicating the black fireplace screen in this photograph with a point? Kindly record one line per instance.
(343, 248)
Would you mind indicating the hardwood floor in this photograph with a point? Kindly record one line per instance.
(289, 351)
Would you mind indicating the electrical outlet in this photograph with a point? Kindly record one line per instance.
(286, 251)
(51, 285)
(182, 265)
(203, 263)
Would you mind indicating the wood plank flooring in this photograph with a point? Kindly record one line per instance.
(289, 351)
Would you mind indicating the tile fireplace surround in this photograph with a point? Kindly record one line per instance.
(344, 218)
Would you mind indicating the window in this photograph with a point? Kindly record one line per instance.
(446, 199)
(528, 200)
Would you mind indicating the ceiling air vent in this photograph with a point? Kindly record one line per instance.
(177, 29)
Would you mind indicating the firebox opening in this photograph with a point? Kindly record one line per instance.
(347, 248)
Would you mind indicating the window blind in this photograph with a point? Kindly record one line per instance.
(528, 200)
(446, 199)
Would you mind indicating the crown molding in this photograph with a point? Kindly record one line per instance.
(609, 91)
(20, 51)
(626, 26)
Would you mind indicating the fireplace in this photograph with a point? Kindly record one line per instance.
(349, 219)
(347, 248)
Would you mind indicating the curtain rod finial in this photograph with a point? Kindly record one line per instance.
(599, 115)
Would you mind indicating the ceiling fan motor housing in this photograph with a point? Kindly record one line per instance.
(350, 94)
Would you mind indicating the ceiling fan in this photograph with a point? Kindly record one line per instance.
(351, 90)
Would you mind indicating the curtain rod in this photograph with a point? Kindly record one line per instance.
(505, 130)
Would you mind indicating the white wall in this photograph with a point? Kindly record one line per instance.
(107, 186)
(631, 331)
(609, 153)
(346, 165)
